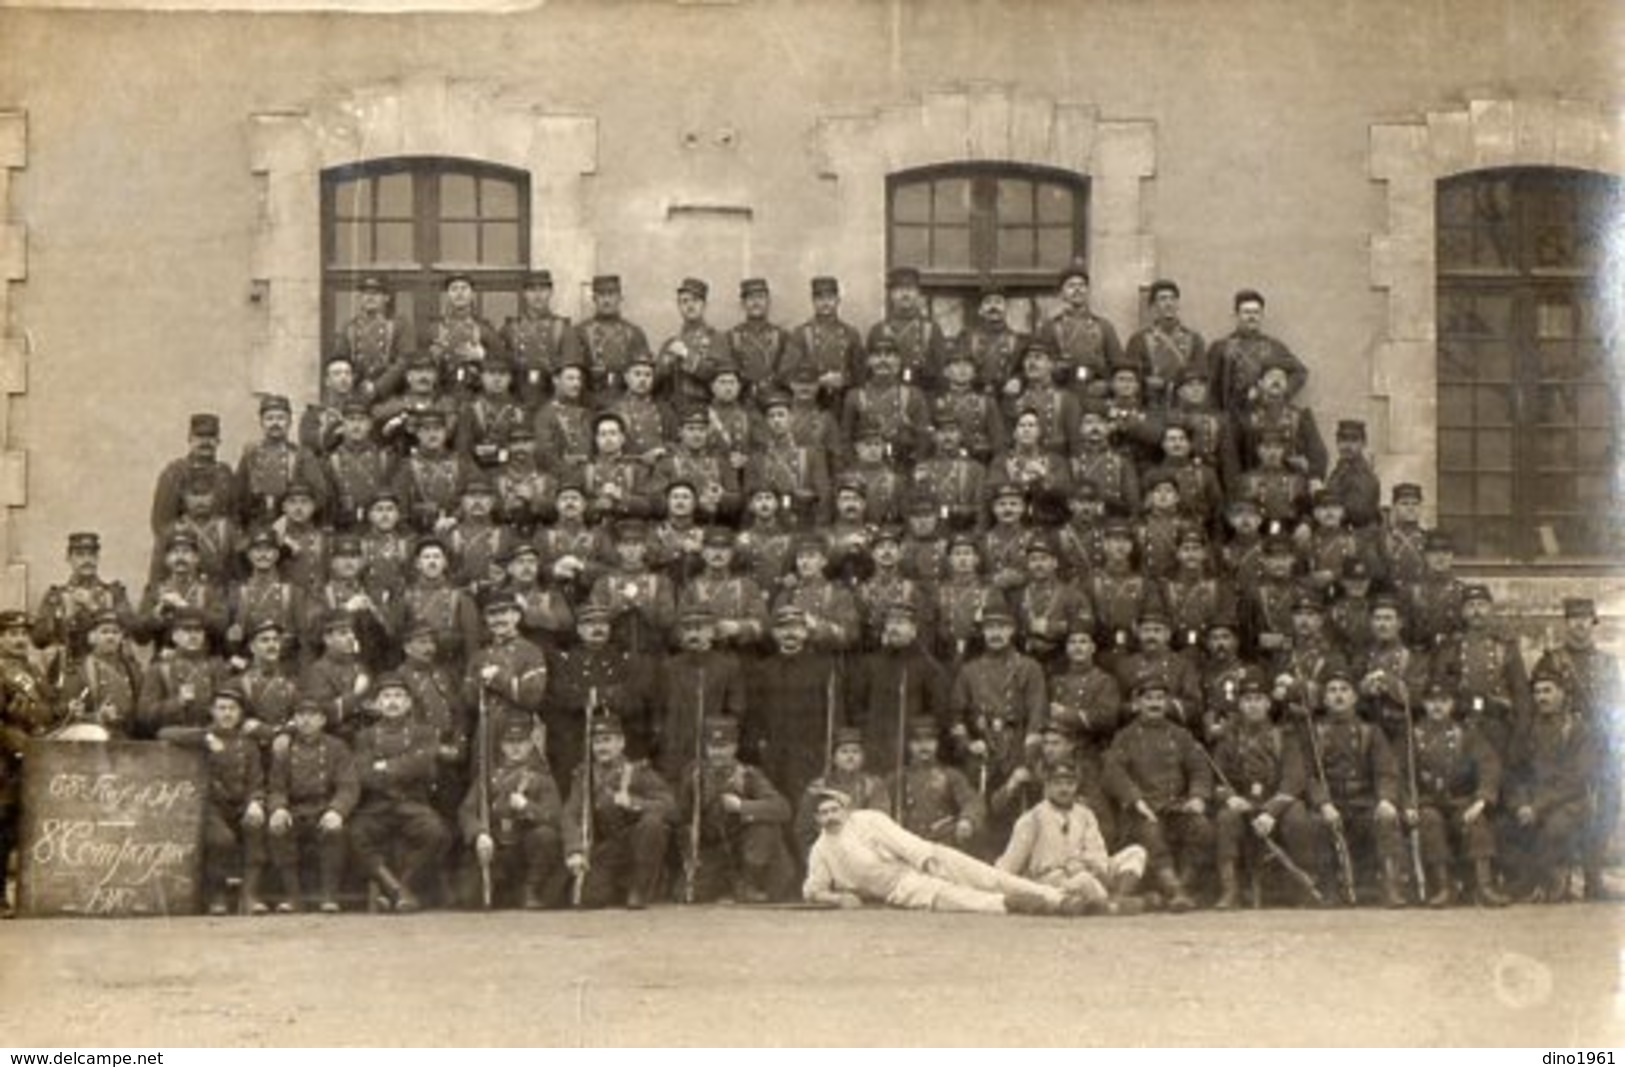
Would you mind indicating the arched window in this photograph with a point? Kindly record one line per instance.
(1530, 331)
(965, 222)
(411, 221)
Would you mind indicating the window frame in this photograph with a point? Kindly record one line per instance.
(1526, 286)
(983, 224)
(423, 276)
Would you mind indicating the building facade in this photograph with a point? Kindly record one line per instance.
(1429, 195)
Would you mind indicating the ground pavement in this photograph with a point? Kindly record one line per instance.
(1542, 976)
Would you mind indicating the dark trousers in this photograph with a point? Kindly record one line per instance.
(1177, 840)
(629, 859)
(1539, 852)
(1446, 838)
(405, 836)
(750, 857)
(230, 849)
(526, 864)
(305, 840)
(1308, 839)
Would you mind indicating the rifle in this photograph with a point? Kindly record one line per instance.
(691, 862)
(829, 724)
(1340, 843)
(579, 881)
(1415, 830)
(1271, 846)
(902, 743)
(485, 794)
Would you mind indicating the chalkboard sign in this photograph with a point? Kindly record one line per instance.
(111, 828)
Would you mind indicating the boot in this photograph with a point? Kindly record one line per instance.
(1175, 898)
(1023, 902)
(1229, 892)
(1444, 890)
(1392, 896)
(393, 893)
(332, 867)
(1484, 891)
(292, 894)
(250, 897)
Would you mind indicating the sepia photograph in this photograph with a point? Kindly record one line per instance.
(812, 523)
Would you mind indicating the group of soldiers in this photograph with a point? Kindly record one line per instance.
(1007, 621)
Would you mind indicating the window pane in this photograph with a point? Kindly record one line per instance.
(406, 309)
(953, 200)
(951, 248)
(911, 203)
(1055, 248)
(1491, 539)
(1494, 361)
(458, 242)
(499, 244)
(499, 199)
(1554, 493)
(1017, 248)
(1594, 490)
(457, 197)
(1492, 249)
(1554, 449)
(1494, 406)
(1555, 318)
(1056, 204)
(1455, 203)
(1558, 360)
(1556, 405)
(1455, 450)
(497, 305)
(1455, 406)
(1596, 407)
(1015, 201)
(1596, 448)
(1494, 494)
(1457, 362)
(353, 199)
(1555, 248)
(948, 312)
(910, 246)
(1455, 249)
(1455, 496)
(351, 245)
(395, 196)
(395, 243)
(1494, 450)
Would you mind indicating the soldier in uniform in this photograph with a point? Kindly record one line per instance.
(688, 360)
(757, 345)
(269, 687)
(951, 482)
(564, 433)
(430, 480)
(934, 801)
(25, 712)
(1353, 480)
(506, 679)
(1392, 671)
(999, 701)
(994, 348)
(322, 422)
(312, 789)
(1485, 667)
(374, 341)
(845, 772)
(489, 416)
(591, 676)
(103, 686)
(607, 342)
(338, 679)
(1348, 617)
(617, 483)
(524, 488)
(1058, 843)
(1458, 778)
(629, 809)
(830, 611)
(539, 341)
(271, 465)
(66, 611)
(694, 460)
(1282, 492)
(200, 462)
(459, 340)
(795, 697)
(642, 602)
(1118, 591)
(395, 832)
(910, 330)
(1096, 462)
(432, 599)
(1403, 538)
(264, 596)
(888, 585)
(696, 683)
(890, 401)
(513, 819)
(1253, 791)
(897, 683)
(1178, 671)
(357, 468)
(385, 545)
(735, 818)
(1435, 600)
(1166, 348)
(181, 680)
(971, 408)
(1596, 687)
(1236, 361)
(1552, 772)
(545, 616)
(832, 347)
(1352, 789)
(234, 819)
(1086, 344)
(736, 600)
(1162, 782)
